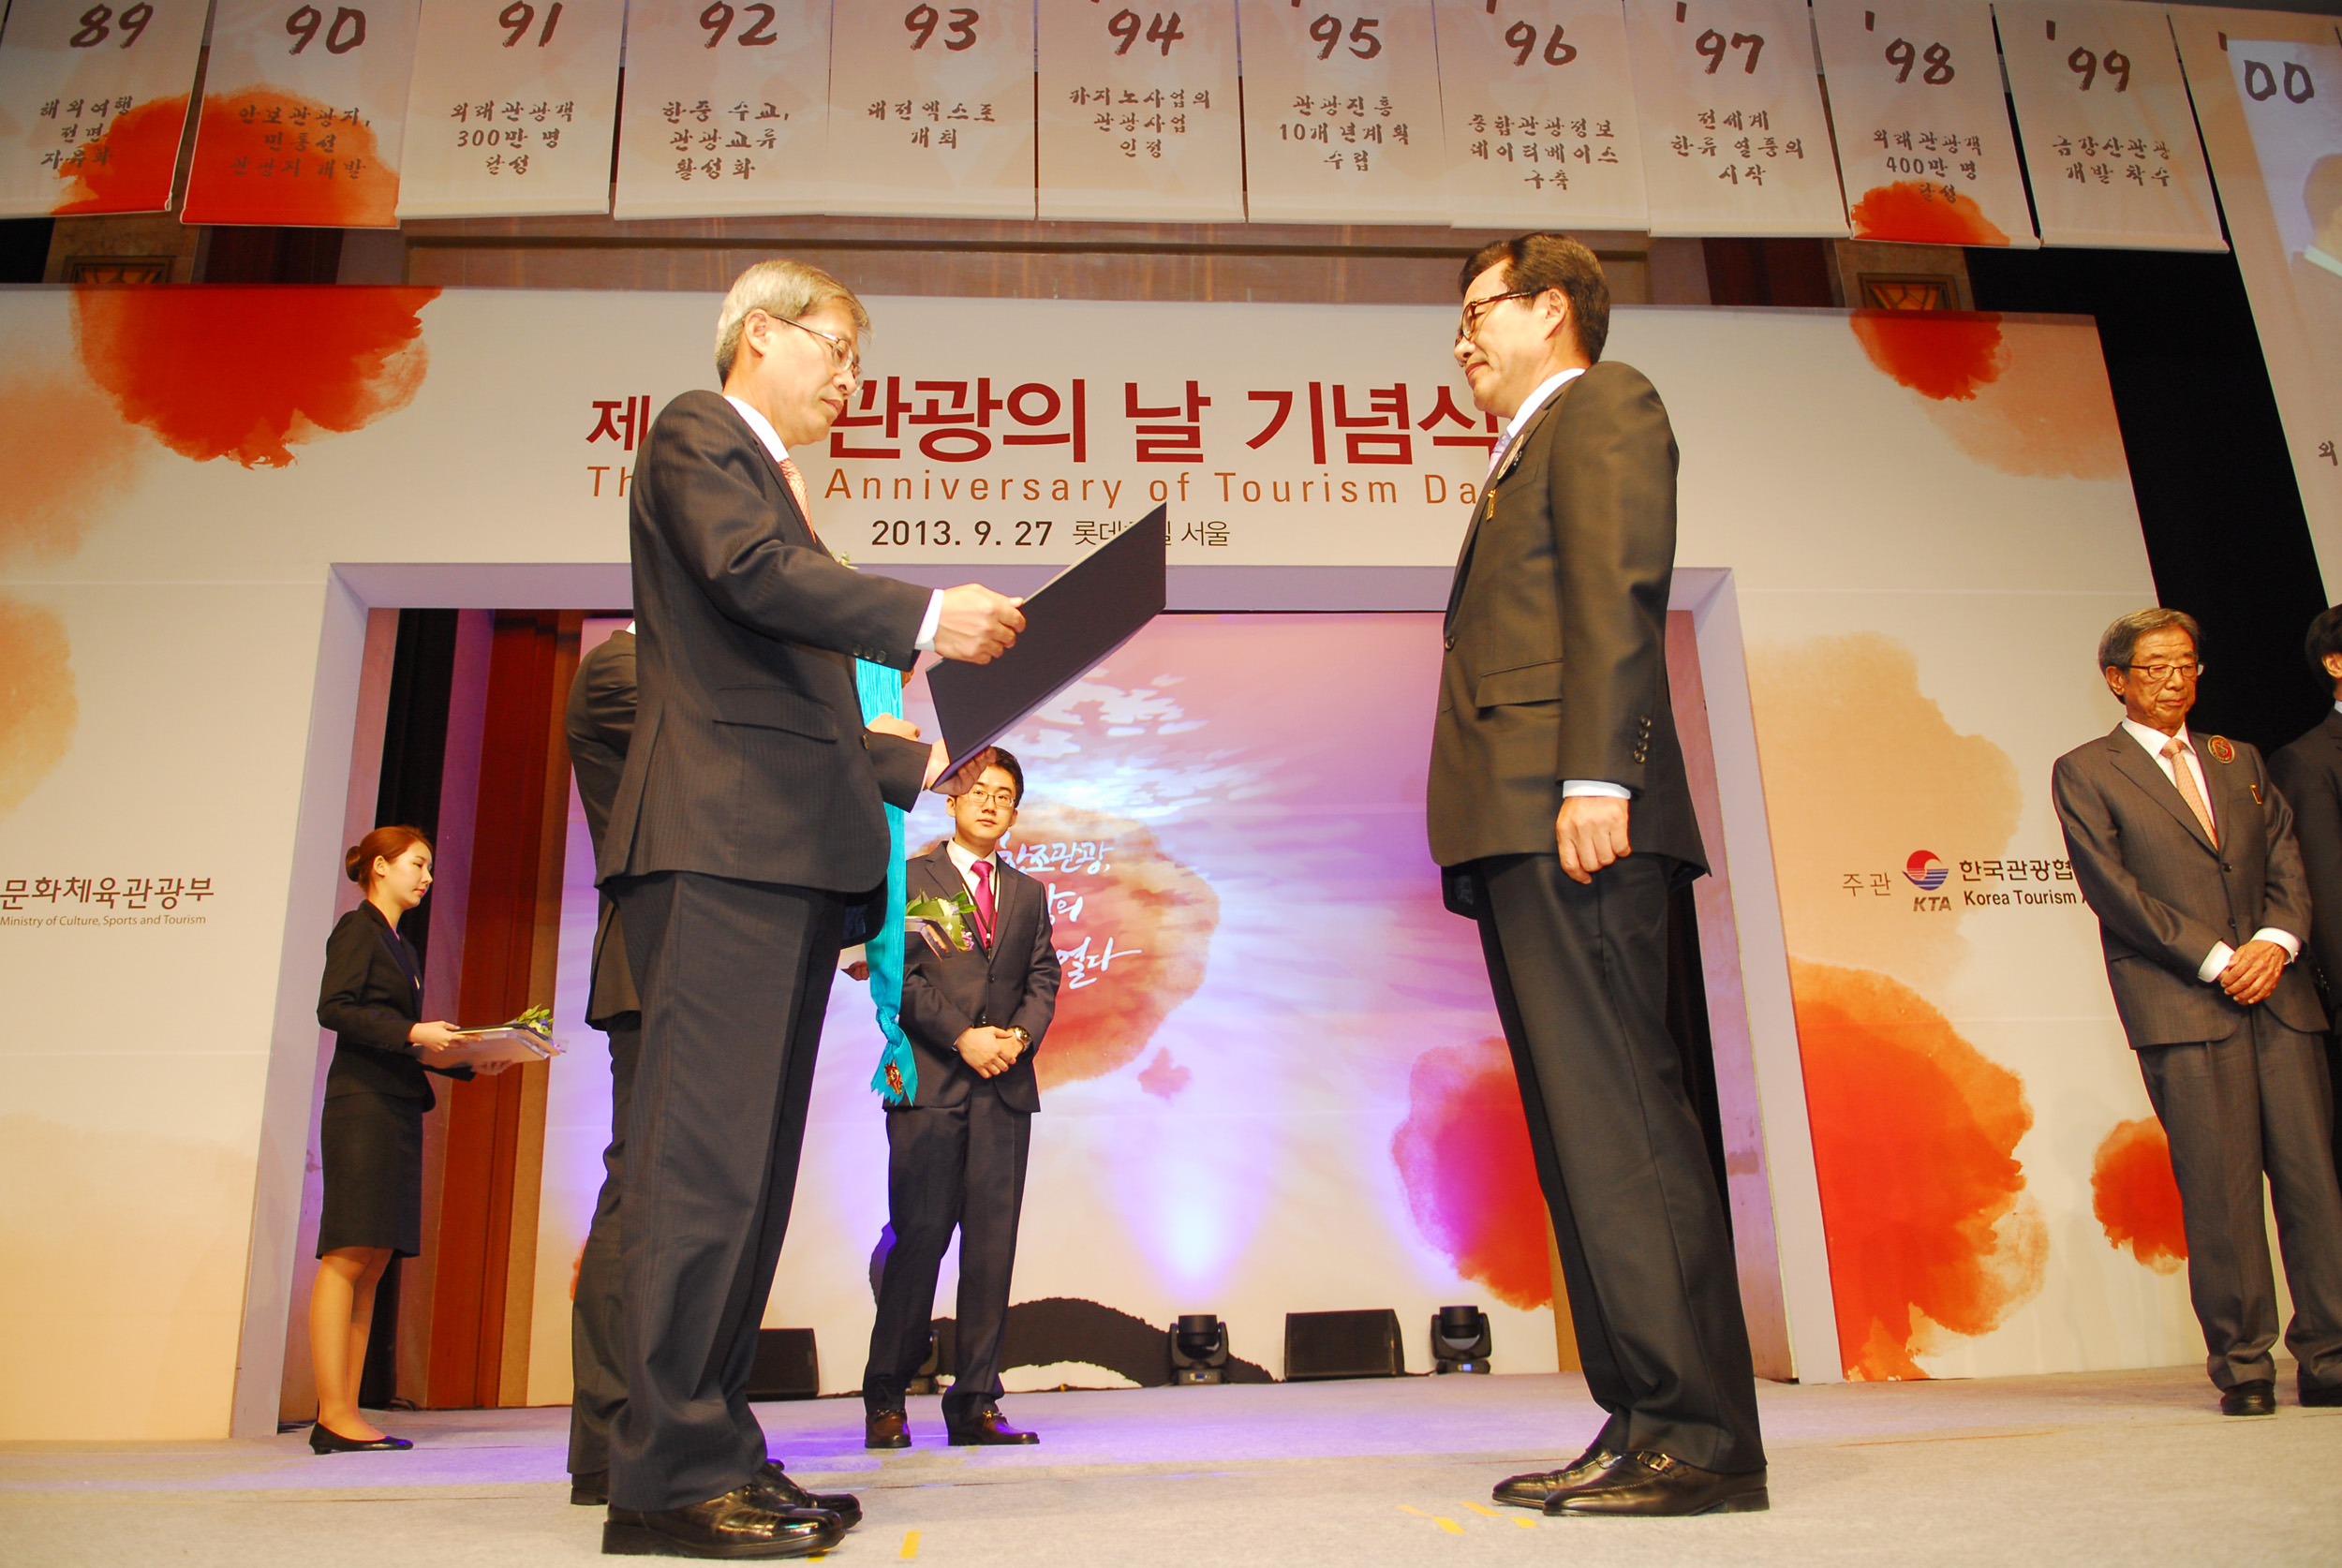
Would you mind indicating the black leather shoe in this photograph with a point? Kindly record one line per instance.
(776, 1480)
(1532, 1489)
(987, 1431)
(1652, 1486)
(2257, 1398)
(745, 1521)
(2316, 1395)
(590, 1489)
(324, 1440)
(886, 1428)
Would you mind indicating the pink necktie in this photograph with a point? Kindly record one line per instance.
(982, 870)
(2185, 776)
(796, 488)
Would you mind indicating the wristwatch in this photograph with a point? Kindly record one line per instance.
(1024, 1036)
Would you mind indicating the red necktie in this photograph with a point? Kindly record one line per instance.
(796, 488)
(982, 871)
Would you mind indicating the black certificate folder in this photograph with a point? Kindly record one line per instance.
(1077, 620)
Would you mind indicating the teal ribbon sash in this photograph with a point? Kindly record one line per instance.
(897, 1076)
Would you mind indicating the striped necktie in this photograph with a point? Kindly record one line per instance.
(796, 488)
(2175, 751)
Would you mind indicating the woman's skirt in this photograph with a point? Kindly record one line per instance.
(372, 1148)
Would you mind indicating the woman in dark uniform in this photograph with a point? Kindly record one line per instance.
(371, 1136)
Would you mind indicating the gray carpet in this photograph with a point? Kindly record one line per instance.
(2129, 1467)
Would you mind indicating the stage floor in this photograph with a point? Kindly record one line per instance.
(2133, 1468)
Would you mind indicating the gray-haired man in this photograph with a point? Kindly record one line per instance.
(747, 827)
(2185, 852)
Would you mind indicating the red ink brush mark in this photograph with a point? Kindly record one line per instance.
(2136, 1197)
(1157, 914)
(1938, 354)
(128, 169)
(251, 373)
(241, 176)
(1164, 1078)
(1911, 212)
(1923, 1198)
(40, 709)
(1471, 1182)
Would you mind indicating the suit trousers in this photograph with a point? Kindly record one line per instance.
(1581, 976)
(734, 978)
(949, 1166)
(597, 1320)
(2258, 1101)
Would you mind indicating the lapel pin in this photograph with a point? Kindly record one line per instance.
(2222, 749)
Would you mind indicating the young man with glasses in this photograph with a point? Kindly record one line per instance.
(2184, 850)
(957, 1153)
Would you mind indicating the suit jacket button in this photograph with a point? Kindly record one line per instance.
(1447, 642)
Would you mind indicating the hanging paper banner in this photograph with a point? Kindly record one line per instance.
(92, 103)
(304, 106)
(511, 111)
(2267, 87)
(1734, 137)
(1923, 141)
(2110, 139)
(724, 115)
(1341, 112)
(1540, 111)
(1139, 118)
(932, 111)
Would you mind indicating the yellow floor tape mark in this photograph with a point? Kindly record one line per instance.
(911, 1544)
(1508, 1518)
(1416, 1511)
(1450, 1526)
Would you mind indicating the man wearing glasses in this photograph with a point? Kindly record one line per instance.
(746, 824)
(956, 1155)
(1562, 820)
(2185, 852)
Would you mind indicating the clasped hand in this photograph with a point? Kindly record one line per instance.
(2253, 971)
(991, 1052)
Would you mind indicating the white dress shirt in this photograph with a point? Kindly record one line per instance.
(771, 437)
(1513, 427)
(2154, 741)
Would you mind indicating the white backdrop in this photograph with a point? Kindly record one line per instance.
(1920, 577)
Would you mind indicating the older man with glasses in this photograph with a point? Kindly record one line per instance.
(2185, 852)
(747, 829)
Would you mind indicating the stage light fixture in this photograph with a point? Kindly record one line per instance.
(1199, 1349)
(1461, 1340)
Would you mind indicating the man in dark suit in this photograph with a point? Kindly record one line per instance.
(957, 1153)
(599, 719)
(747, 823)
(2185, 852)
(599, 722)
(2309, 772)
(1562, 821)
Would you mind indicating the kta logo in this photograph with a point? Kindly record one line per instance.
(1925, 871)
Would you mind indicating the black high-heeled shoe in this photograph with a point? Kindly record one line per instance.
(324, 1440)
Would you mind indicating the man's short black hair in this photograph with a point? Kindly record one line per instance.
(2324, 640)
(1003, 759)
(1542, 261)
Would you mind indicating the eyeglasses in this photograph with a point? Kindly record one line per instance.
(1476, 311)
(2156, 674)
(838, 352)
(992, 797)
